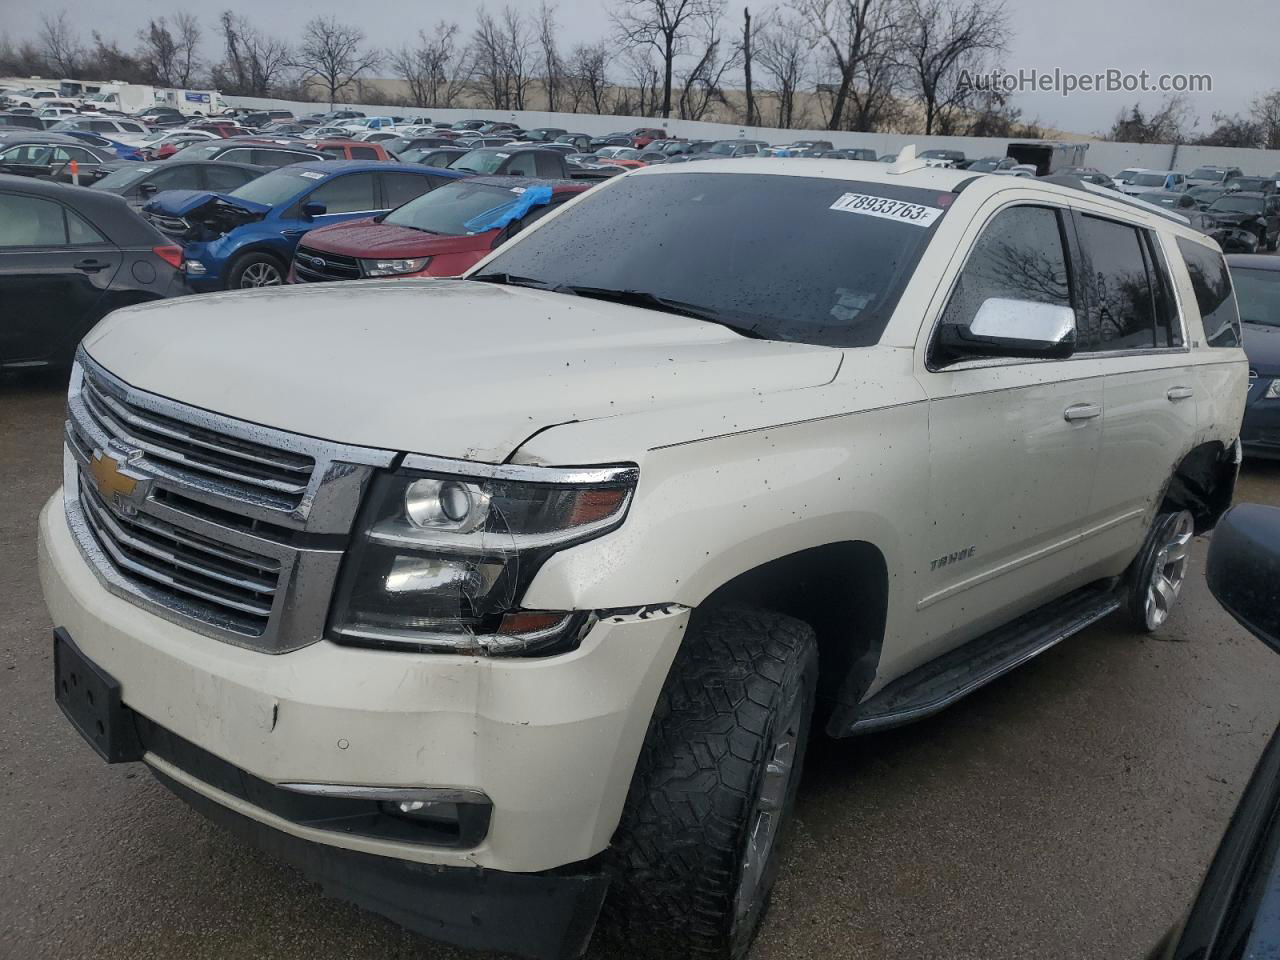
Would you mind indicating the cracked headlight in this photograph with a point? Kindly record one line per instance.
(390, 268)
(1273, 390)
(440, 559)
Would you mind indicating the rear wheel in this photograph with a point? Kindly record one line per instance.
(255, 270)
(1160, 571)
(697, 851)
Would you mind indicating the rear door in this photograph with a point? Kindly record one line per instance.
(1136, 333)
(54, 269)
(28, 160)
(1013, 443)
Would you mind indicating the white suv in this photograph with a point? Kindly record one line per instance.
(495, 601)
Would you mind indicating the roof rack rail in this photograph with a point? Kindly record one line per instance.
(1070, 180)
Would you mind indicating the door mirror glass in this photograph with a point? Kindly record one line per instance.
(1003, 327)
(313, 209)
(147, 189)
(1244, 569)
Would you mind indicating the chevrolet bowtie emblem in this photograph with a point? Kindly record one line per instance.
(110, 481)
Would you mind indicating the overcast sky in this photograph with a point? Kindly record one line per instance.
(1081, 36)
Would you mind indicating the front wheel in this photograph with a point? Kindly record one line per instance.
(697, 851)
(1160, 571)
(253, 270)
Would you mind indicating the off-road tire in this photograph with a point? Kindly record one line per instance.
(677, 858)
(247, 262)
(1154, 553)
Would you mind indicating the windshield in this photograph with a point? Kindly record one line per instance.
(1206, 173)
(984, 166)
(1237, 205)
(724, 147)
(1248, 183)
(122, 177)
(828, 269)
(480, 161)
(447, 209)
(1150, 179)
(276, 187)
(1258, 293)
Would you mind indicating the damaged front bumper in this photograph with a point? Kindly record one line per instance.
(550, 744)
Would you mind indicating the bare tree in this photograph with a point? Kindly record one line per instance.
(587, 79)
(1265, 111)
(941, 43)
(434, 70)
(1169, 124)
(849, 33)
(501, 60)
(746, 51)
(187, 41)
(255, 63)
(552, 65)
(783, 50)
(663, 25)
(158, 54)
(331, 55)
(702, 83)
(60, 44)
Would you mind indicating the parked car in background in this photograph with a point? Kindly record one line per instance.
(286, 128)
(721, 149)
(1251, 184)
(402, 144)
(433, 156)
(628, 157)
(1210, 176)
(1203, 196)
(1178, 201)
(643, 136)
(246, 237)
(516, 162)
(10, 120)
(350, 149)
(118, 129)
(991, 164)
(68, 257)
(544, 134)
(440, 234)
(1087, 174)
(1148, 181)
(1125, 177)
(1258, 213)
(30, 97)
(849, 153)
(949, 158)
(222, 128)
(1256, 281)
(611, 140)
(580, 141)
(260, 153)
(52, 161)
(139, 182)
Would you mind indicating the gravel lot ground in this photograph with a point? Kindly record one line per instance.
(1067, 811)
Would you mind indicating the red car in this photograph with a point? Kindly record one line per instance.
(440, 234)
(641, 137)
(350, 149)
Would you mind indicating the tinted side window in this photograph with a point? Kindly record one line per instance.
(1212, 284)
(1168, 324)
(347, 194)
(522, 165)
(547, 165)
(175, 178)
(30, 222)
(273, 158)
(225, 179)
(240, 155)
(400, 188)
(364, 153)
(1019, 256)
(1122, 303)
(80, 231)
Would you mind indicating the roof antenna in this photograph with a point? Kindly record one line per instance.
(907, 161)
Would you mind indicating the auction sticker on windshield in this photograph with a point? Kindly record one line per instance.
(884, 208)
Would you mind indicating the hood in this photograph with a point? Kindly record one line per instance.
(369, 239)
(1262, 347)
(448, 367)
(189, 203)
(1232, 217)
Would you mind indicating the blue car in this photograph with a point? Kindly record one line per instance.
(121, 150)
(246, 238)
(1256, 279)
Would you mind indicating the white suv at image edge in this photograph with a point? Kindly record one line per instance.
(499, 603)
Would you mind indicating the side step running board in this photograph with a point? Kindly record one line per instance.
(939, 683)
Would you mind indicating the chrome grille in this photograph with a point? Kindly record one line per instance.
(314, 266)
(228, 586)
(230, 529)
(257, 470)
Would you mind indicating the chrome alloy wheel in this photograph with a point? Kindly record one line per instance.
(1169, 570)
(261, 274)
(768, 810)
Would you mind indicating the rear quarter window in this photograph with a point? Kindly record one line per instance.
(1212, 284)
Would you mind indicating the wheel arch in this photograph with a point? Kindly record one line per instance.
(1204, 482)
(841, 590)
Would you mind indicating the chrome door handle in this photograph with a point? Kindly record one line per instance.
(1081, 411)
(1180, 393)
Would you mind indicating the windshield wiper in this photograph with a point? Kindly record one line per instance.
(643, 298)
(513, 280)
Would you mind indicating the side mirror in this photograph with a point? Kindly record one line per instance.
(148, 189)
(1012, 328)
(313, 209)
(1244, 569)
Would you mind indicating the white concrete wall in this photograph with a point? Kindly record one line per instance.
(1106, 156)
